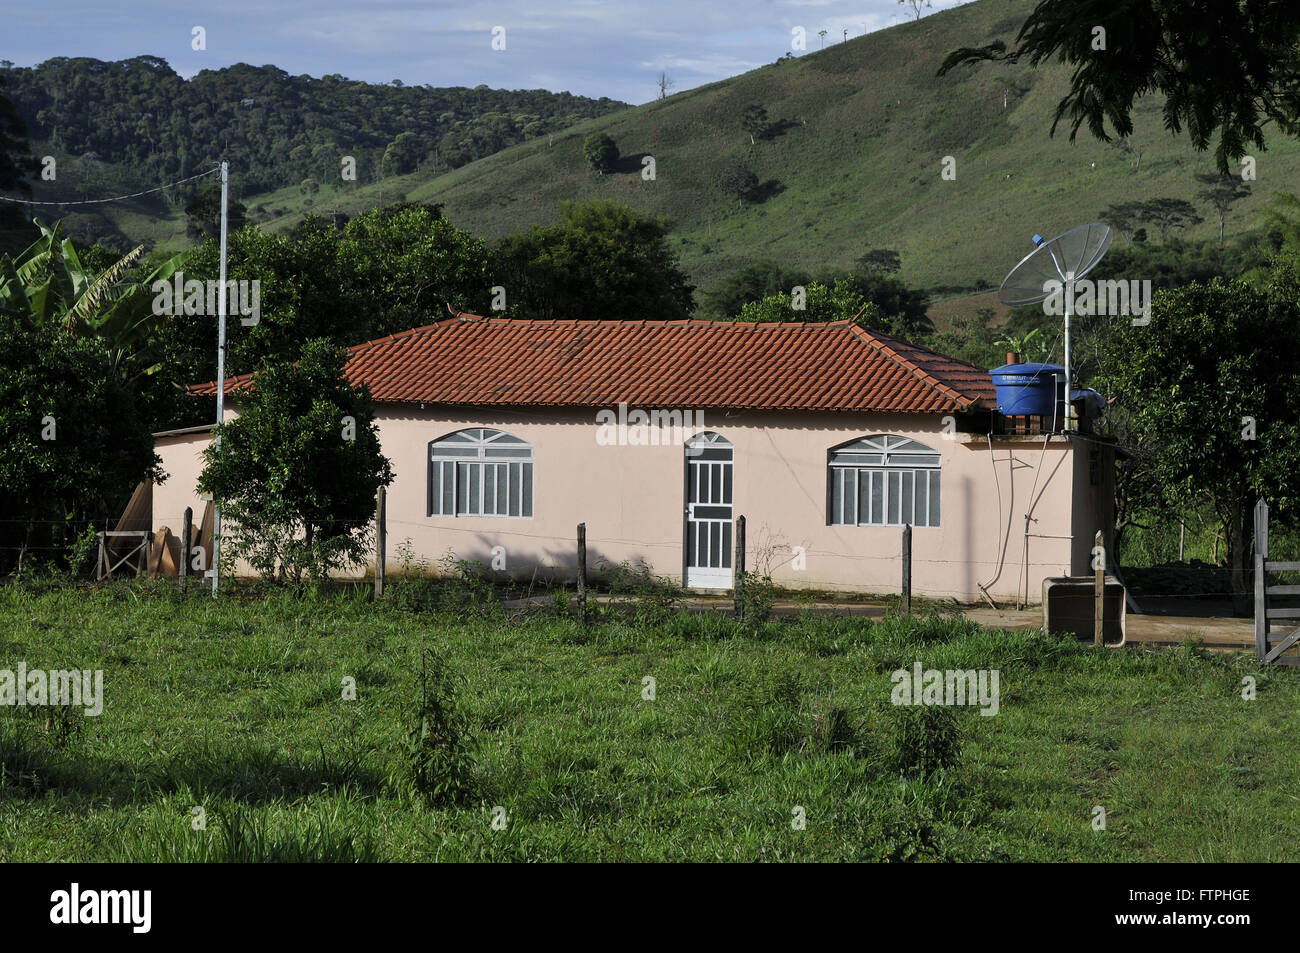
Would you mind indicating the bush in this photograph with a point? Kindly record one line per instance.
(436, 759)
(757, 597)
(924, 739)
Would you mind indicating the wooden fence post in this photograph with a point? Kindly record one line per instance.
(582, 572)
(1099, 589)
(1261, 594)
(187, 530)
(381, 542)
(738, 590)
(907, 570)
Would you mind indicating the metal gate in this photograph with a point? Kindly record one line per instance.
(708, 512)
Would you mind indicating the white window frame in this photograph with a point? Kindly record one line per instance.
(465, 466)
(895, 472)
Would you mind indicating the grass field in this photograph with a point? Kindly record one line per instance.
(235, 706)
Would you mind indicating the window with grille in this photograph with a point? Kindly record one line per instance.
(480, 472)
(883, 481)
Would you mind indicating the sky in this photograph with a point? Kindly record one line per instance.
(587, 47)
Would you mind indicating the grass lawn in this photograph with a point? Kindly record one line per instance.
(235, 706)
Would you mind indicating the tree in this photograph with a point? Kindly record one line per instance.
(600, 151)
(403, 154)
(1224, 67)
(816, 302)
(754, 121)
(665, 84)
(1200, 385)
(915, 6)
(297, 471)
(1124, 217)
(1165, 214)
(754, 281)
(1222, 192)
(48, 283)
(16, 163)
(736, 180)
(74, 440)
(203, 214)
(602, 261)
(885, 260)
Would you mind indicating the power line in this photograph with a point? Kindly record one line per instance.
(116, 198)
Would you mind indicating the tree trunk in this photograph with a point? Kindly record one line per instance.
(1240, 549)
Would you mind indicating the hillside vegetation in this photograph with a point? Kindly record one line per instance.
(116, 127)
(852, 161)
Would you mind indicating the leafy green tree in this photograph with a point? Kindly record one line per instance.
(1124, 217)
(1202, 384)
(1224, 67)
(600, 151)
(602, 261)
(75, 443)
(409, 263)
(815, 303)
(403, 154)
(297, 471)
(1165, 214)
(754, 281)
(16, 163)
(754, 121)
(885, 260)
(736, 180)
(1222, 192)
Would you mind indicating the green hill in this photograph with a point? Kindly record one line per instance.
(851, 161)
(129, 125)
(854, 159)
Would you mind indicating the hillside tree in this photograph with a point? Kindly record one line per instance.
(754, 121)
(600, 151)
(1222, 192)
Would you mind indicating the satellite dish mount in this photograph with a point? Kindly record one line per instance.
(1067, 258)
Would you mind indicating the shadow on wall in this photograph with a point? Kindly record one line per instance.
(556, 565)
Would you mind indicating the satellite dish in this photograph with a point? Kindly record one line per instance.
(1060, 262)
(1067, 257)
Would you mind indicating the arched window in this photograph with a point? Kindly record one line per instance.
(480, 472)
(883, 481)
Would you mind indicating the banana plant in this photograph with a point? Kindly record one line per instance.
(47, 282)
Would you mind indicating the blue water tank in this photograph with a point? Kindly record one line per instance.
(1029, 389)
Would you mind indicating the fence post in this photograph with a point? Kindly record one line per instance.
(582, 572)
(907, 570)
(1261, 610)
(381, 541)
(738, 590)
(187, 530)
(1261, 581)
(1099, 589)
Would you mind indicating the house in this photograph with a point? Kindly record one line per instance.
(504, 434)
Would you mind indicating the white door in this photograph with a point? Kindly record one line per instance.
(708, 512)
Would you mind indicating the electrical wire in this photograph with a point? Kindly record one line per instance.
(116, 198)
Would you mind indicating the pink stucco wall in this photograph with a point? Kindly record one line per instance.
(631, 498)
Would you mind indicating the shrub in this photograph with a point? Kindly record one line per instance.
(925, 739)
(436, 759)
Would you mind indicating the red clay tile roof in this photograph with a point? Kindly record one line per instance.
(471, 360)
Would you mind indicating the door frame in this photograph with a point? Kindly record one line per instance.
(718, 579)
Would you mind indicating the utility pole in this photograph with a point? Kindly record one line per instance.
(221, 377)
